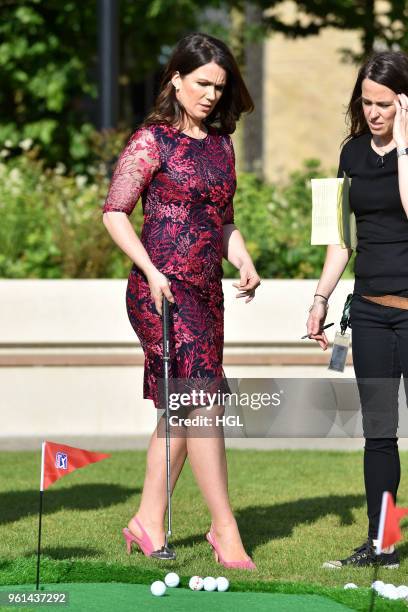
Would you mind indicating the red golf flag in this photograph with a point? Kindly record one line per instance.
(58, 460)
(389, 531)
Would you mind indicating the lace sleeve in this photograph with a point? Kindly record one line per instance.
(134, 170)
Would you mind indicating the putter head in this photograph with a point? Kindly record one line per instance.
(165, 553)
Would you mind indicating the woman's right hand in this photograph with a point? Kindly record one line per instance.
(315, 322)
(159, 286)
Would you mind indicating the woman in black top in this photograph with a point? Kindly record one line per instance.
(375, 156)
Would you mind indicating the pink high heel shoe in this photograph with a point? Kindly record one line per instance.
(144, 543)
(247, 565)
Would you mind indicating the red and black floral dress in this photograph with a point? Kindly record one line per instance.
(187, 187)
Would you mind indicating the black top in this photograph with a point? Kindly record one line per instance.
(381, 265)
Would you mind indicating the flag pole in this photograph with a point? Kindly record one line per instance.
(57, 460)
(40, 517)
(378, 548)
(373, 591)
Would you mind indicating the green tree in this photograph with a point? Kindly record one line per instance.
(380, 24)
(46, 59)
(48, 56)
(48, 67)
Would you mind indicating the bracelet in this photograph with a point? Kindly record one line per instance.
(325, 303)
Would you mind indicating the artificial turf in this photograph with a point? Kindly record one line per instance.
(98, 597)
(295, 509)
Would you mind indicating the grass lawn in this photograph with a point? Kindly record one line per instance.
(295, 510)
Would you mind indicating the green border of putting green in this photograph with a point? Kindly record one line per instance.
(103, 597)
(22, 571)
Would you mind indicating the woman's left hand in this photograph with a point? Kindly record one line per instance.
(248, 283)
(400, 130)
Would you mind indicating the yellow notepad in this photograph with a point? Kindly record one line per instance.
(332, 219)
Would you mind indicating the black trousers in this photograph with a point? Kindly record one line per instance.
(380, 356)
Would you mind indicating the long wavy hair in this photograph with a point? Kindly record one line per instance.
(389, 68)
(190, 53)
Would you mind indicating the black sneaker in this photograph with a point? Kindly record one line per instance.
(364, 556)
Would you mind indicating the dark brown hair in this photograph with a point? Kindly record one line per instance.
(389, 68)
(191, 52)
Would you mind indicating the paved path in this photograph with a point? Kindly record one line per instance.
(141, 442)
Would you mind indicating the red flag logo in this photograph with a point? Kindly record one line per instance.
(58, 460)
(389, 530)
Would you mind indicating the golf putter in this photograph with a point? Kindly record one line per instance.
(165, 551)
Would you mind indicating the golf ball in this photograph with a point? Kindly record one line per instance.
(210, 583)
(158, 588)
(402, 591)
(378, 586)
(172, 579)
(222, 583)
(350, 585)
(389, 591)
(196, 583)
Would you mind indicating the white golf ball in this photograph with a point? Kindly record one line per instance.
(378, 586)
(172, 579)
(350, 585)
(158, 588)
(389, 591)
(222, 583)
(402, 591)
(210, 583)
(196, 583)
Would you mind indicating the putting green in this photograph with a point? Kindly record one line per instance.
(101, 597)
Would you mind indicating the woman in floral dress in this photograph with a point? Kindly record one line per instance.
(182, 166)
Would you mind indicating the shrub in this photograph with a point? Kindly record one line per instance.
(276, 224)
(51, 225)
